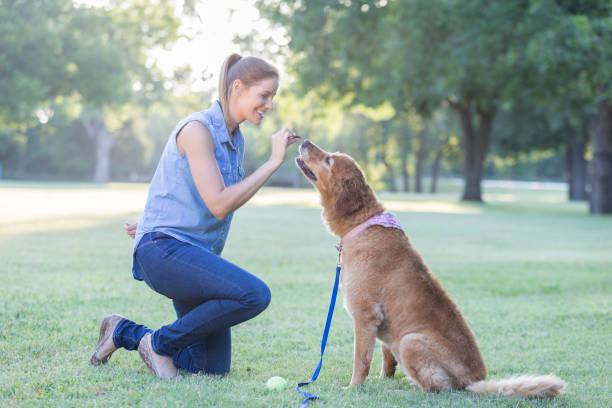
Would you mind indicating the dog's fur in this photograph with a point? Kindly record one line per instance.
(392, 296)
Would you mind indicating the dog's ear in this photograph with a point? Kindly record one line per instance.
(351, 196)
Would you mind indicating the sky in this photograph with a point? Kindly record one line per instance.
(211, 37)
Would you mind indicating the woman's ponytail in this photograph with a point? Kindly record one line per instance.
(225, 83)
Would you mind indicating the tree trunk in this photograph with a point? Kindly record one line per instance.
(576, 166)
(386, 135)
(475, 145)
(435, 167)
(421, 154)
(390, 179)
(403, 142)
(97, 130)
(28, 156)
(405, 175)
(601, 165)
(404, 145)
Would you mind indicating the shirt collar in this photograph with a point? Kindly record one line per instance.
(223, 135)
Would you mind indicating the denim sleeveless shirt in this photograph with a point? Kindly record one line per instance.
(174, 206)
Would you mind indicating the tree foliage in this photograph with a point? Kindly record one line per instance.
(86, 63)
(482, 57)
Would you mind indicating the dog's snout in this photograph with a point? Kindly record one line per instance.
(304, 148)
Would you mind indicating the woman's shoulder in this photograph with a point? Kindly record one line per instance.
(199, 120)
(212, 118)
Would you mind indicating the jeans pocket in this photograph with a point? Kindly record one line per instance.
(166, 244)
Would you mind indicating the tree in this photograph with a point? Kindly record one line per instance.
(573, 52)
(90, 61)
(526, 128)
(31, 72)
(601, 165)
(416, 54)
(442, 131)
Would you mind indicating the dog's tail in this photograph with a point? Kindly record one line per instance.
(528, 386)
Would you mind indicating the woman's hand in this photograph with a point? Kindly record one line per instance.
(280, 141)
(130, 229)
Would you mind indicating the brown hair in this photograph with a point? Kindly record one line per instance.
(249, 70)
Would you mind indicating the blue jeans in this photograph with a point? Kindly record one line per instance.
(209, 294)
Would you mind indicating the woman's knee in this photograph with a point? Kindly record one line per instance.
(200, 359)
(258, 296)
(220, 369)
(191, 359)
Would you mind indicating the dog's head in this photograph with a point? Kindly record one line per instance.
(340, 182)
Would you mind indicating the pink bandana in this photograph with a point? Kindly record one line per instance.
(385, 219)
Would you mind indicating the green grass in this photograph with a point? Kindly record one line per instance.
(531, 272)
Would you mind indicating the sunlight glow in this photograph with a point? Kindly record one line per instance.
(310, 199)
(207, 39)
(31, 210)
(438, 207)
(26, 205)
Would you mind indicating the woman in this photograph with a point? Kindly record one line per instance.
(197, 186)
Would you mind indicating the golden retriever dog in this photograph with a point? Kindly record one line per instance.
(391, 295)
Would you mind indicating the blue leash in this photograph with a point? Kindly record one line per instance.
(330, 313)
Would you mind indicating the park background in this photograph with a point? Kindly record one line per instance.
(485, 125)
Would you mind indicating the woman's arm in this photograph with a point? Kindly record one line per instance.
(195, 141)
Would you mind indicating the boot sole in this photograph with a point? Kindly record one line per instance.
(144, 350)
(144, 355)
(94, 360)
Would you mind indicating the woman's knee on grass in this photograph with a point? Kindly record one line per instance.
(196, 359)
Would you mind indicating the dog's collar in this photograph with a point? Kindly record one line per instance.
(384, 219)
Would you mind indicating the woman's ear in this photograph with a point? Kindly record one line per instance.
(237, 87)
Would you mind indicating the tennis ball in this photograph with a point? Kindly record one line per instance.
(276, 383)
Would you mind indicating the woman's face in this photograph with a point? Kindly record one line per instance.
(254, 101)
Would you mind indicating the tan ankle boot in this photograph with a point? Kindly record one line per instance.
(105, 347)
(160, 366)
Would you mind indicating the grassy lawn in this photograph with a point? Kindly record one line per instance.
(531, 272)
